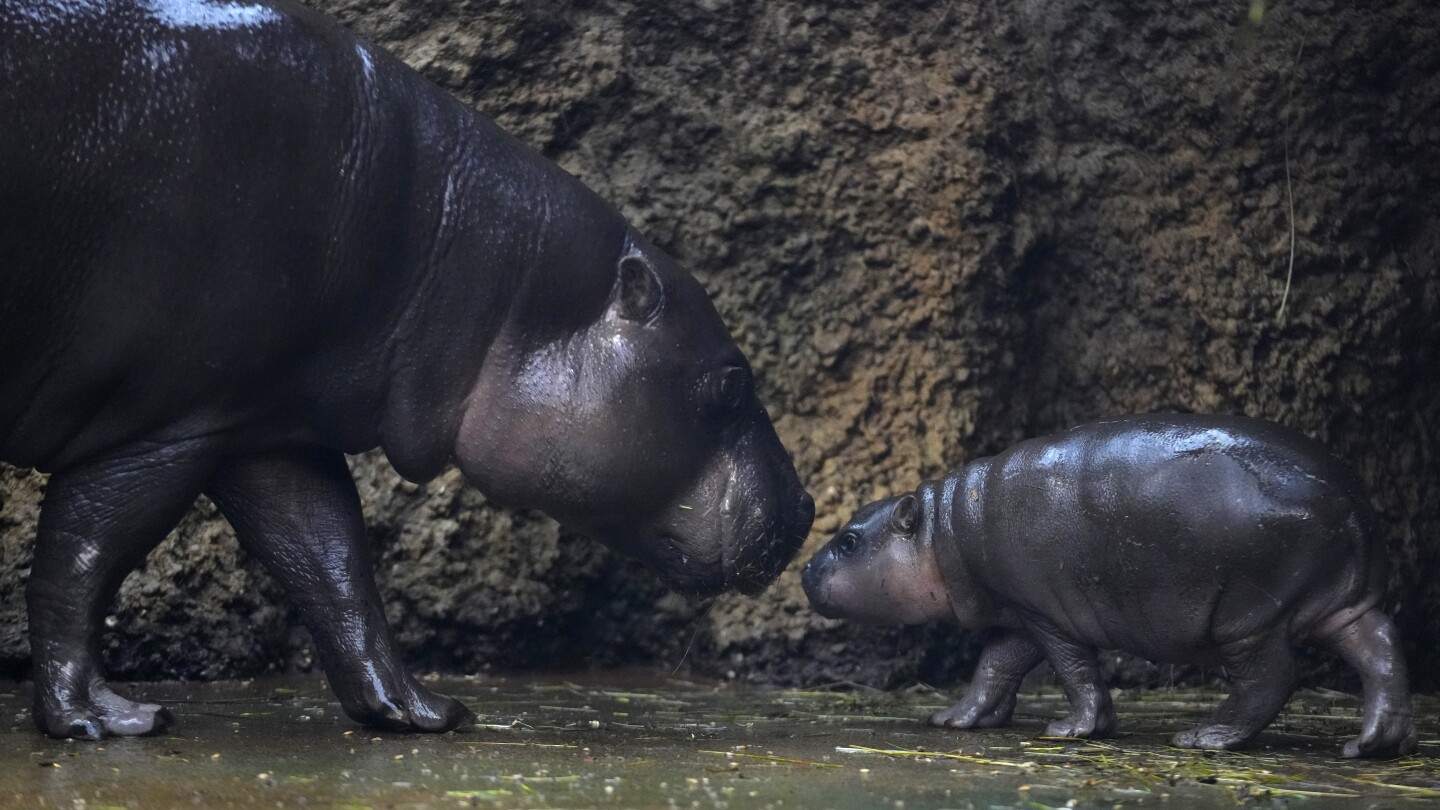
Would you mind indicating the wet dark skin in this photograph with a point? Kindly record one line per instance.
(1182, 538)
(237, 243)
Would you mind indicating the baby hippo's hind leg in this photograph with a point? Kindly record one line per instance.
(1371, 645)
(990, 700)
(1262, 678)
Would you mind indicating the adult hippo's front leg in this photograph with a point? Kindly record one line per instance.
(99, 521)
(297, 511)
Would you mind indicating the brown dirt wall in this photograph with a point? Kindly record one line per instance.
(935, 228)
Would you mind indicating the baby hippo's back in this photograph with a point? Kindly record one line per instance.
(1170, 535)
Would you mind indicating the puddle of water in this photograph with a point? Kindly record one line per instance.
(649, 742)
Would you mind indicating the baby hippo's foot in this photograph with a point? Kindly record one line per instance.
(97, 713)
(402, 704)
(967, 714)
(1083, 725)
(1386, 736)
(1217, 737)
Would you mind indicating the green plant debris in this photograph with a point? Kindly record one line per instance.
(522, 744)
(1409, 790)
(479, 794)
(772, 758)
(931, 755)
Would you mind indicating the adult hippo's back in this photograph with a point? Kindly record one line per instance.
(236, 243)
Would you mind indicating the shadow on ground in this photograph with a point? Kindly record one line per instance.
(645, 742)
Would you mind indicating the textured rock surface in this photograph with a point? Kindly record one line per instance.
(935, 228)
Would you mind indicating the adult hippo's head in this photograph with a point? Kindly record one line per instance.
(632, 417)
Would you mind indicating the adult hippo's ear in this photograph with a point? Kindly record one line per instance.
(905, 515)
(639, 295)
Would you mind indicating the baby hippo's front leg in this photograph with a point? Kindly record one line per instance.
(1091, 712)
(990, 700)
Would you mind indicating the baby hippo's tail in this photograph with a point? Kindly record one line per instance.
(1370, 644)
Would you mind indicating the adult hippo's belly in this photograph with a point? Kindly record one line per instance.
(236, 243)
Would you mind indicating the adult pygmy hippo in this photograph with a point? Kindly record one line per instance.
(1204, 539)
(237, 243)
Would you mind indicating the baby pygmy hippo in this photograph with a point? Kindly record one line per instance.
(1181, 538)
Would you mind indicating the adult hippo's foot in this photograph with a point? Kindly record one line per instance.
(395, 701)
(97, 713)
(296, 510)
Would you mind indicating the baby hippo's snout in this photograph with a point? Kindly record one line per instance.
(877, 570)
(813, 578)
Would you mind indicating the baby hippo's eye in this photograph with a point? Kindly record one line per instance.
(847, 544)
(726, 389)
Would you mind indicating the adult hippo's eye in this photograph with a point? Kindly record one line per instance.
(726, 390)
(847, 544)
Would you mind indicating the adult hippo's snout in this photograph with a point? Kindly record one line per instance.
(760, 558)
(763, 539)
(736, 527)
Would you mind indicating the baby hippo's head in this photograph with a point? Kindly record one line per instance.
(880, 568)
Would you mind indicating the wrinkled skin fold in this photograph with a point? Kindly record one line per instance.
(237, 243)
(1183, 538)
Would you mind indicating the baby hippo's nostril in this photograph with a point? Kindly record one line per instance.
(809, 578)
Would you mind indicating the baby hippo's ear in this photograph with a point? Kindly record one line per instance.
(905, 515)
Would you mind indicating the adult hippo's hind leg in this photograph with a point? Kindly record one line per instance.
(1371, 646)
(297, 511)
(98, 522)
(1262, 678)
(990, 700)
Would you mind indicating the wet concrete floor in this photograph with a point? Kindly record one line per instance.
(624, 741)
